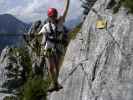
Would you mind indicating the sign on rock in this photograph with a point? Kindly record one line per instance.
(101, 24)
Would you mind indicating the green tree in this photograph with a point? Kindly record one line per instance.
(126, 3)
(87, 5)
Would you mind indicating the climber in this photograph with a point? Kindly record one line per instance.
(53, 42)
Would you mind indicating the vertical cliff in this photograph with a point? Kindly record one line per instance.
(98, 63)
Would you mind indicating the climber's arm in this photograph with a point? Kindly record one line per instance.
(42, 31)
(65, 10)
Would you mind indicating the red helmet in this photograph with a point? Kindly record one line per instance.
(52, 12)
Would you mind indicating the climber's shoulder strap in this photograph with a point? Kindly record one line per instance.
(52, 33)
(52, 30)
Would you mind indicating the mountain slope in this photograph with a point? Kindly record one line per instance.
(10, 24)
(10, 30)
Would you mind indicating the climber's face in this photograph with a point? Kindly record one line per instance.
(52, 14)
(53, 19)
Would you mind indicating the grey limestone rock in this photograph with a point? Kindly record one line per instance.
(98, 63)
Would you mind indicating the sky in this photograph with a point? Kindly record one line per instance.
(32, 10)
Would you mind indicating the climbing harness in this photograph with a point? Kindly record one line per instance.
(49, 52)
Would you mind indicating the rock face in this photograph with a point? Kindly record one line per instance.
(5, 64)
(17, 66)
(98, 64)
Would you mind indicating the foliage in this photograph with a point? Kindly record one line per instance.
(117, 7)
(72, 34)
(85, 6)
(35, 86)
(25, 59)
(35, 89)
(126, 3)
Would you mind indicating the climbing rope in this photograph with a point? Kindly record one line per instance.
(122, 52)
(73, 70)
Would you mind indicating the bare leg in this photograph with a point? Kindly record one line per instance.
(51, 68)
(53, 73)
(59, 59)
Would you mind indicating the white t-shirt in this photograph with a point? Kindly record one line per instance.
(46, 29)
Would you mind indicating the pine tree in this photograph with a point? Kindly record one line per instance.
(126, 3)
(87, 5)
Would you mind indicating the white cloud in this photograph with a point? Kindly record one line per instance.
(31, 10)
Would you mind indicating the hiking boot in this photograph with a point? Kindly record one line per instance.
(58, 87)
(54, 87)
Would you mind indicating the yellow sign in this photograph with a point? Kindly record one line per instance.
(101, 24)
